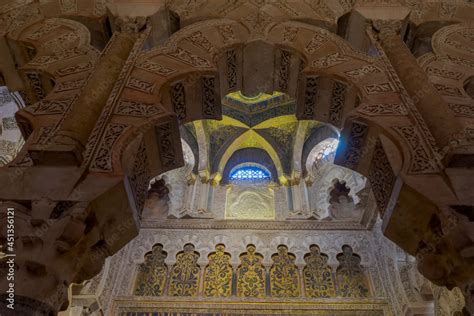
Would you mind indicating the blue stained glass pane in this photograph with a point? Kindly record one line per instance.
(250, 173)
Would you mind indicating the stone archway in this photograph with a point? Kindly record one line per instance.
(101, 154)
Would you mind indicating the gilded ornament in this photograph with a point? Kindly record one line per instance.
(218, 274)
(251, 274)
(184, 278)
(317, 274)
(152, 273)
(284, 277)
(350, 276)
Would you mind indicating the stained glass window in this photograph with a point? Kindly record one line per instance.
(250, 173)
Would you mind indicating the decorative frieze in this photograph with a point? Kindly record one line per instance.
(316, 42)
(186, 57)
(383, 109)
(69, 85)
(46, 107)
(354, 147)
(36, 86)
(359, 73)
(103, 158)
(57, 56)
(310, 96)
(178, 99)
(166, 145)
(61, 42)
(156, 68)
(289, 34)
(330, 60)
(209, 104)
(381, 178)
(134, 108)
(75, 69)
(200, 41)
(231, 62)
(421, 162)
(140, 178)
(250, 279)
(46, 28)
(337, 103)
(377, 88)
(227, 33)
(444, 73)
(451, 91)
(462, 109)
(284, 71)
(140, 85)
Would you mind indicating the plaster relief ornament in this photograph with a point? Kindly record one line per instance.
(350, 276)
(184, 278)
(284, 276)
(218, 274)
(317, 274)
(251, 274)
(152, 273)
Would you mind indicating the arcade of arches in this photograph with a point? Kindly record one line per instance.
(231, 157)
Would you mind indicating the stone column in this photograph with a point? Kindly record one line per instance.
(202, 198)
(442, 123)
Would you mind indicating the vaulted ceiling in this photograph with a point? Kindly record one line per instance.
(264, 122)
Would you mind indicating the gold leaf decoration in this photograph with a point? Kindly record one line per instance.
(184, 279)
(284, 277)
(251, 274)
(318, 278)
(218, 274)
(350, 276)
(152, 273)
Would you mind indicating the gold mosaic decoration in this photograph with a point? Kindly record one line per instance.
(317, 275)
(184, 279)
(218, 274)
(152, 273)
(251, 274)
(350, 276)
(284, 277)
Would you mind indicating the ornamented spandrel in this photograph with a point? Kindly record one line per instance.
(184, 278)
(151, 277)
(218, 274)
(251, 274)
(351, 281)
(284, 277)
(317, 274)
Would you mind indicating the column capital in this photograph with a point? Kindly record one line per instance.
(385, 28)
(128, 24)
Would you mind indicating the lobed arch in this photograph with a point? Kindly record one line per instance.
(321, 13)
(162, 71)
(439, 10)
(54, 58)
(191, 67)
